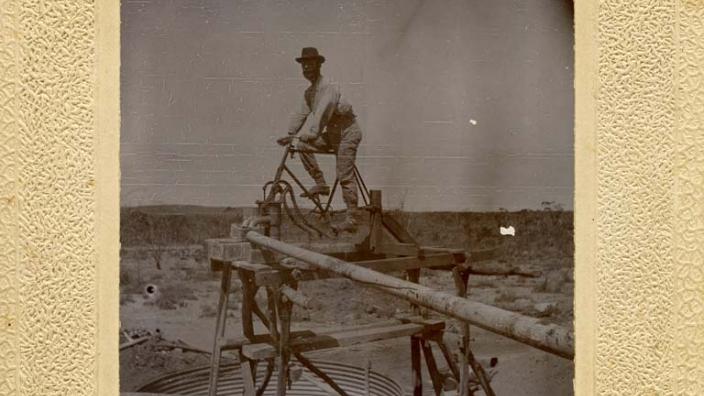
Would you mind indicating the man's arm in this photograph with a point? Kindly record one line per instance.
(320, 116)
(298, 118)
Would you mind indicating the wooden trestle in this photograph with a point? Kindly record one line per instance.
(387, 248)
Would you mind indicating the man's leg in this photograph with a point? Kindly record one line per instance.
(311, 166)
(346, 155)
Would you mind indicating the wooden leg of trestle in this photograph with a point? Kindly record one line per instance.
(219, 329)
(249, 376)
(461, 278)
(432, 367)
(481, 375)
(283, 311)
(416, 367)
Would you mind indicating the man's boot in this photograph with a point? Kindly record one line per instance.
(349, 224)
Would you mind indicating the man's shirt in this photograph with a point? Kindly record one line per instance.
(321, 102)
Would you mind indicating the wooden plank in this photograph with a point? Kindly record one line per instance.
(341, 339)
(482, 255)
(399, 249)
(501, 269)
(238, 342)
(396, 230)
(407, 263)
(227, 249)
(439, 249)
(254, 267)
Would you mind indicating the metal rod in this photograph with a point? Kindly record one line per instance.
(332, 194)
(362, 187)
(313, 198)
(548, 337)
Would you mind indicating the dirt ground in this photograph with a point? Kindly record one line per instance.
(183, 313)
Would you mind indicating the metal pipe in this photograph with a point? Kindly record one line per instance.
(548, 337)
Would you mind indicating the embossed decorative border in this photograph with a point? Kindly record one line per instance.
(639, 207)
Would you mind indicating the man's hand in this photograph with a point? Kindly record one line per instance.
(309, 135)
(285, 141)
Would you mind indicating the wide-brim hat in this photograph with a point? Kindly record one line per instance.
(310, 53)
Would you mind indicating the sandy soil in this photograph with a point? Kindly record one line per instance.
(185, 312)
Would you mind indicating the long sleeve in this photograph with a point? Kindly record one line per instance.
(320, 116)
(298, 118)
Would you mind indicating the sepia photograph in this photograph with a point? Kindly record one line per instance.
(359, 197)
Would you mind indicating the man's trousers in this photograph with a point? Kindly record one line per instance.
(345, 151)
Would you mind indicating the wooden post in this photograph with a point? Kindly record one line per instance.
(461, 278)
(414, 276)
(219, 328)
(249, 375)
(415, 367)
(248, 293)
(449, 358)
(432, 367)
(461, 281)
(283, 309)
(376, 226)
(481, 375)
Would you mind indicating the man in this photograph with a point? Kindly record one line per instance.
(323, 122)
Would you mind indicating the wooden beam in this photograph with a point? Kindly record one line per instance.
(396, 230)
(552, 338)
(343, 338)
(496, 268)
(407, 263)
(399, 249)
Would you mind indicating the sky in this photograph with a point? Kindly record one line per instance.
(464, 105)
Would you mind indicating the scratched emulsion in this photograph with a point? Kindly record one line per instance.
(56, 262)
(464, 105)
(9, 302)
